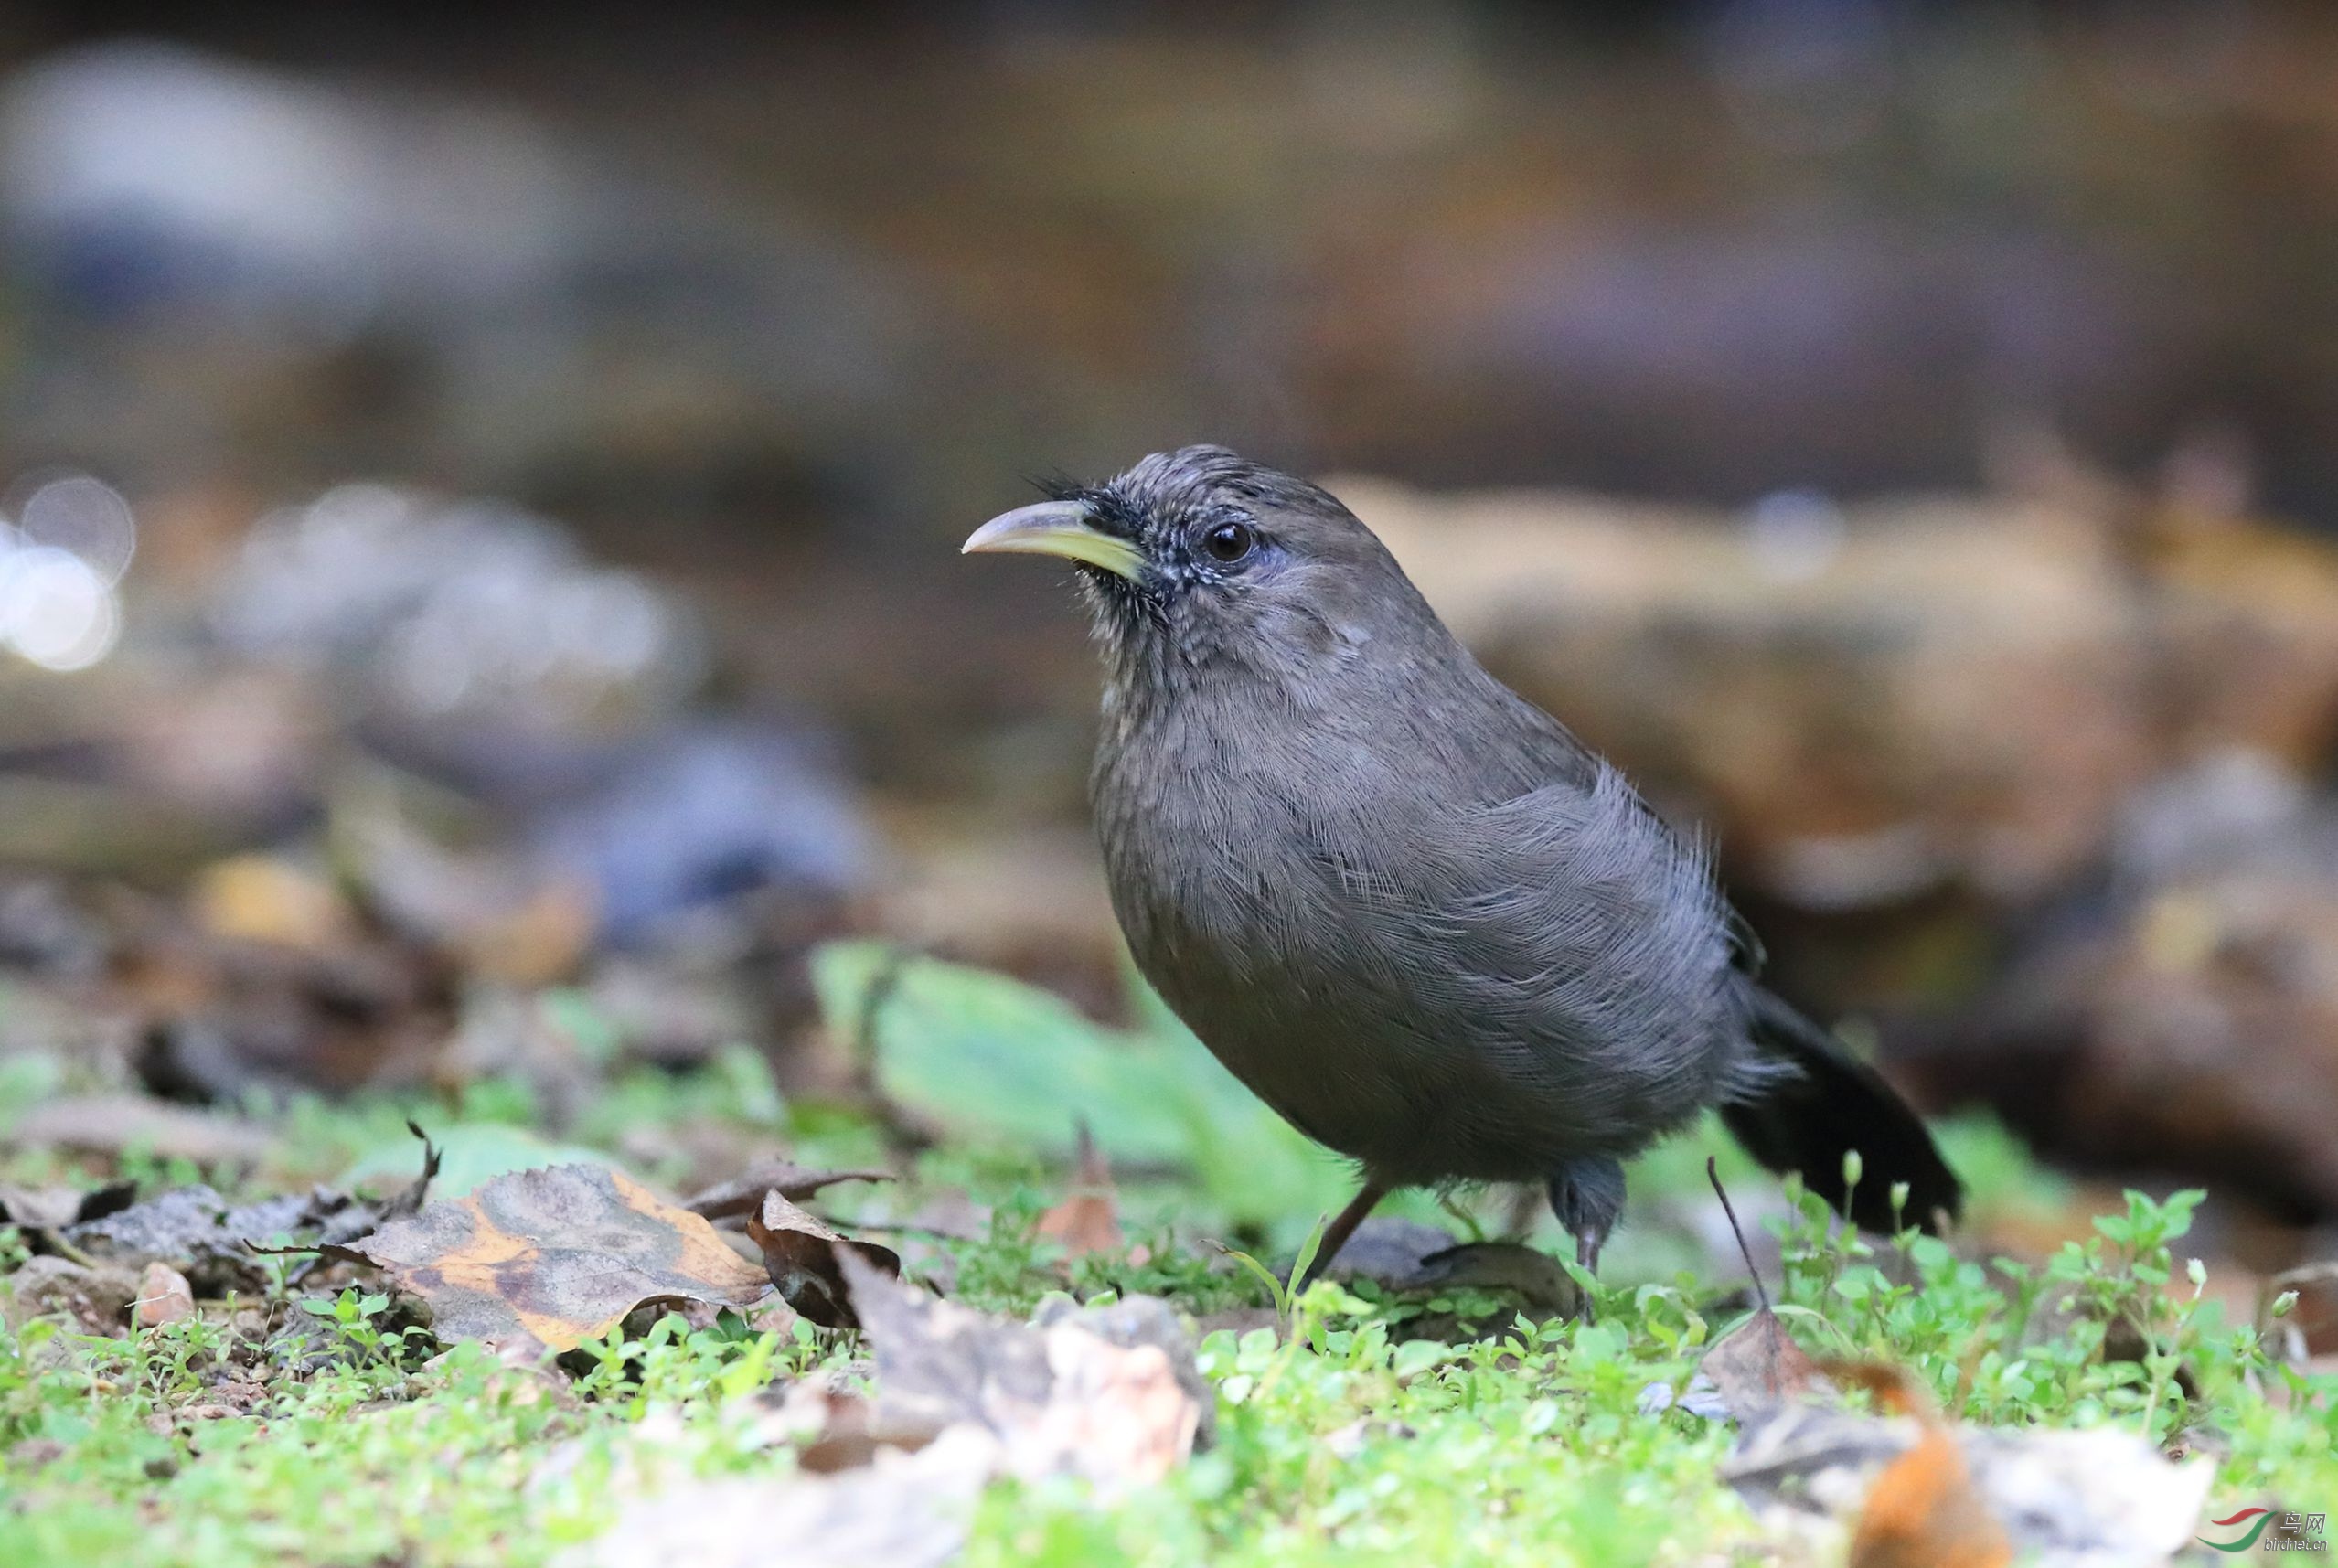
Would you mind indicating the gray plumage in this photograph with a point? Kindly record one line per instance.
(1401, 904)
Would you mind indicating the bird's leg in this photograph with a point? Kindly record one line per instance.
(1336, 1235)
(1588, 1195)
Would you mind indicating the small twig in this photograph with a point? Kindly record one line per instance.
(1713, 1174)
(418, 1192)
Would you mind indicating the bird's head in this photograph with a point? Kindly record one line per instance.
(1197, 558)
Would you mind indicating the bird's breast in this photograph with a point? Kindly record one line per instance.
(1437, 985)
(1216, 856)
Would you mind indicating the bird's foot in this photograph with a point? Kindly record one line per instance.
(1588, 1196)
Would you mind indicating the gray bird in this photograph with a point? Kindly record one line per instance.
(1408, 909)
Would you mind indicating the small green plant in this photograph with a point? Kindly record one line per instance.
(360, 1325)
(672, 1362)
(2123, 1278)
(2102, 1331)
(1277, 1290)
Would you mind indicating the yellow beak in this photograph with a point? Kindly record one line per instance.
(1055, 528)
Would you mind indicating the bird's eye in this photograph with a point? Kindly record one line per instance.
(1230, 542)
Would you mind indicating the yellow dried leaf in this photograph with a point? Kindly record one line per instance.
(558, 1256)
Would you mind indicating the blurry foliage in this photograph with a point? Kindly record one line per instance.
(987, 1058)
(471, 1153)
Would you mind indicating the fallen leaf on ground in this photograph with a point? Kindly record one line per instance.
(1088, 1221)
(907, 1509)
(176, 1227)
(164, 1297)
(214, 1242)
(555, 1257)
(803, 1256)
(743, 1194)
(218, 1245)
(2065, 1499)
(1923, 1511)
(1755, 1367)
(1108, 1394)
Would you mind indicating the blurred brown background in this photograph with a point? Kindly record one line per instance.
(484, 494)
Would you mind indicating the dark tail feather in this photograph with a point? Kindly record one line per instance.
(1831, 1104)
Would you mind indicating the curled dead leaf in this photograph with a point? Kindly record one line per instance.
(555, 1257)
(1756, 1367)
(743, 1194)
(802, 1255)
(1109, 1394)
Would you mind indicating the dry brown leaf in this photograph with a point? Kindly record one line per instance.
(1088, 1221)
(1923, 1511)
(910, 1507)
(801, 1253)
(556, 1256)
(2067, 1498)
(1757, 1366)
(743, 1194)
(1110, 1395)
(164, 1297)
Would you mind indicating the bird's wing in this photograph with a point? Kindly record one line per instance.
(1564, 918)
(1555, 755)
